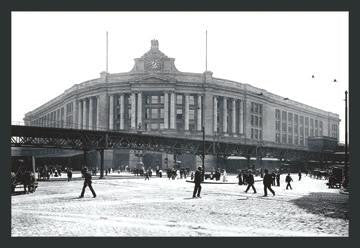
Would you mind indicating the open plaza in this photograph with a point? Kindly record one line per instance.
(128, 205)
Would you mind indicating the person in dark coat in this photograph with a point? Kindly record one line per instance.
(197, 181)
(267, 181)
(69, 174)
(251, 181)
(299, 175)
(278, 179)
(87, 182)
(288, 179)
(240, 178)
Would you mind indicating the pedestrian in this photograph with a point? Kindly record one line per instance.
(273, 176)
(87, 182)
(147, 174)
(224, 176)
(288, 179)
(240, 178)
(267, 181)
(197, 181)
(251, 182)
(69, 174)
(278, 179)
(299, 175)
(261, 173)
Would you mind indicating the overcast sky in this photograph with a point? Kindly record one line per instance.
(276, 51)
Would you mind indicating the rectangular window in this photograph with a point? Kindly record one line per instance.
(277, 138)
(284, 116)
(179, 99)
(277, 114)
(191, 100)
(284, 138)
(302, 120)
(162, 99)
(161, 113)
(154, 113)
(290, 139)
(296, 140)
(260, 121)
(277, 125)
(154, 99)
(191, 114)
(301, 141)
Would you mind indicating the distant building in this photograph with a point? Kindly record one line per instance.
(154, 97)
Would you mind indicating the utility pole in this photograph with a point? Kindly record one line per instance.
(346, 168)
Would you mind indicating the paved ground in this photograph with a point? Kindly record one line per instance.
(161, 207)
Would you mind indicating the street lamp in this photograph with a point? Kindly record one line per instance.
(346, 169)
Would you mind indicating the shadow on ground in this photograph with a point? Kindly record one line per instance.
(334, 205)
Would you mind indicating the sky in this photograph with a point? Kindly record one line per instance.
(275, 51)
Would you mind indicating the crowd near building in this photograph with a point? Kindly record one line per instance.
(155, 98)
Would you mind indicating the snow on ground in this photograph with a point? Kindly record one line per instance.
(131, 206)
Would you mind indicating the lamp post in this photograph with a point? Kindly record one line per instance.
(346, 169)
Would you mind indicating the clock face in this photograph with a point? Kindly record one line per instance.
(155, 64)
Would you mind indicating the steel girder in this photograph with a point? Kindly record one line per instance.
(46, 137)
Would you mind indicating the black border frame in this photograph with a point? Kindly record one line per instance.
(163, 5)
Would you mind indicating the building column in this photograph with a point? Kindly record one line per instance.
(225, 114)
(122, 111)
(215, 113)
(199, 113)
(233, 117)
(186, 112)
(75, 113)
(111, 112)
(133, 110)
(241, 117)
(172, 110)
(139, 111)
(166, 110)
(80, 120)
(91, 109)
(85, 111)
(97, 113)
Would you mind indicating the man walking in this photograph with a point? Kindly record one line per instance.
(197, 181)
(267, 181)
(69, 174)
(87, 182)
(251, 182)
(288, 179)
(278, 179)
(299, 175)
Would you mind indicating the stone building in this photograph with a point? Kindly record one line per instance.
(154, 97)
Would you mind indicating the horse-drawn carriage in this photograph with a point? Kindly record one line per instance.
(335, 178)
(25, 177)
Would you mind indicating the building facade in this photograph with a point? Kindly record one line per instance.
(154, 97)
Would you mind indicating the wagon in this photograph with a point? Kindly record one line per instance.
(25, 178)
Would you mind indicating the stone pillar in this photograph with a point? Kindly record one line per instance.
(111, 112)
(225, 115)
(241, 117)
(233, 117)
(91, 109)
(85, 115)
(81, 107)
(139, 111)
(199, 113)
(133, 110)
(172, 110)
(75, 115)
(102, 120)
(186, 112)
(122, 111)
(215, 113)
(166, 110)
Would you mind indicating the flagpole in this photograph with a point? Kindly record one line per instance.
(107, 52)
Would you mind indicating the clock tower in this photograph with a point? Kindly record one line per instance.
(154, 61)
